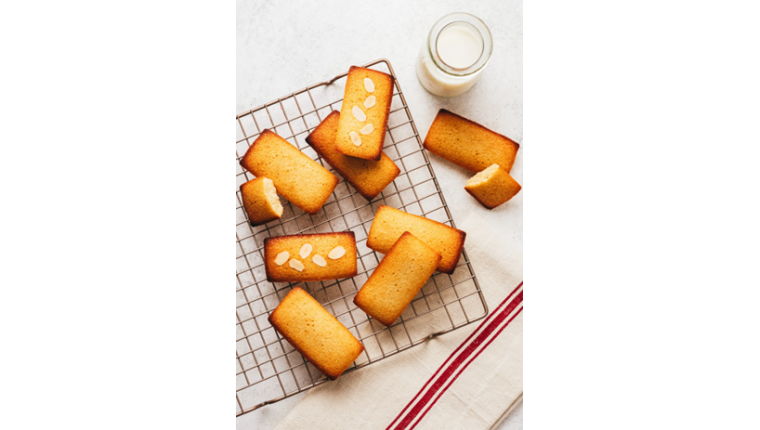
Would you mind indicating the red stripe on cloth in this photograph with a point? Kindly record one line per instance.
(453, 354)
(447, 370)
(438, 385)
(464, 367)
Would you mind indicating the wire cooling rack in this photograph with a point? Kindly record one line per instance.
(268, 368)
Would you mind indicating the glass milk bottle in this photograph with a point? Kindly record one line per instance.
(455, 53)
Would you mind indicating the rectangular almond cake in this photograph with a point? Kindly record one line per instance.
(310, 257)
(364, 114)
(397, 279)
(298, 178)
(315, 333)
(367, 176)
(468, 143)
(390, 223)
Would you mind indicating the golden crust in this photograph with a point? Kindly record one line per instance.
(256, 204)
(400, 275)
(468, 143)
(367, 176)
(499, 188)
(315, 333)
(298, 178)
(322, 244)
(355, 95)
(390, 223)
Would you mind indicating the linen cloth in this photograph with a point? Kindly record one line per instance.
(479, 398)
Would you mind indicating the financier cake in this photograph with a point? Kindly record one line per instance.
(310, 257)
(297, 177)
(492, 186)
(367, 176)
(397, 279)
(390, 223)
(469, 144)
(260, 201)
(364, 114)
(315, 333)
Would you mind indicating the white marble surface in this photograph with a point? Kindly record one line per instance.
(285, 46)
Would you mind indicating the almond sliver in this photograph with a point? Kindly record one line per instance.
(297, 265)
(358, 114)
(369, 85)
(337, 252)
(319, 260)
(305, 250)
(282, 258)
(367, 129)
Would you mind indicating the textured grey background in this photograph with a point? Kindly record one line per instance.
(287, 45)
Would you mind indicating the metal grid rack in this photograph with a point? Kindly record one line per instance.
(268, 368)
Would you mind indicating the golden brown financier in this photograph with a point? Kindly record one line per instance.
(492, 187)
(367, 176)
(400, 275)
(468, 143)
(260, 201)
(297, 177)
(390, 223)
(315, 333)
(310, 257)
(364, 113)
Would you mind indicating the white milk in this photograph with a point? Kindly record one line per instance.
(459, 45)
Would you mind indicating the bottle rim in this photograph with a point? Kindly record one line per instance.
(475, 23)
